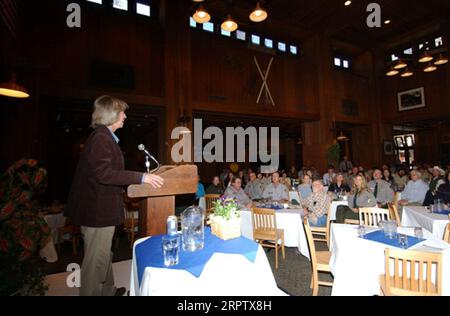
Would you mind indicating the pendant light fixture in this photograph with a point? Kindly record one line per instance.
(13, 90)
(400, 65)
(392, 72)
(201, 15)
(441, 60)
(425, 57)
(342, 137)
(229, 25)
(407, 73)
(430, 68)
(258, 14)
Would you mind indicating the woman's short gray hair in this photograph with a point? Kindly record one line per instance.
(106, 111)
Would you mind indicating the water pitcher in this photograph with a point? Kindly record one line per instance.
(192, 227)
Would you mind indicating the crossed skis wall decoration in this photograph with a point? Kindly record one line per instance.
(264, 86)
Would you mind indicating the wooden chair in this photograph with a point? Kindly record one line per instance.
(130, 224)
(393, 211)
(447, 233)
(74, 235)
(209, 201)
(351, 221)
(371, 216)
(420, 263)
(265, 229)
(322, 234)
(319, 260)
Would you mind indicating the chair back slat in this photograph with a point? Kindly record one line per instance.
(371, 216)
(447, 232)
(209, 200)
(264, 220)
(427, 280)
(393, 211)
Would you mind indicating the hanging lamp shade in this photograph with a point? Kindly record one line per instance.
(342, 137)
(392, 72)
(13, 89)
(407, 73)
(229, 25)
(258, 14)
(441, 60)
(400, 65)
(425, 57)
(430, 68)
(201, 15)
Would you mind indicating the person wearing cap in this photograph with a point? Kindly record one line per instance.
(436, 181)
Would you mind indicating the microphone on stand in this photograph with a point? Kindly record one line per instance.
(141, 147)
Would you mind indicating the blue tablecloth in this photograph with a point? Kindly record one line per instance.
(444, 212)
(379, 236)
(272, 206)
(149, 253)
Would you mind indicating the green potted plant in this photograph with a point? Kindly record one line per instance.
(226, 220)
(333, 154)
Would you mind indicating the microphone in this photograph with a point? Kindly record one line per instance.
(141, 147)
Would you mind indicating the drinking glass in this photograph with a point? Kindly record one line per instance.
(171, 249)
(361, 231)
(418, 232)
(403, 241)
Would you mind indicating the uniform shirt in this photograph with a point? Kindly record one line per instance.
(384, 193)
(241, 198)
(253, 190)
(415, 191)
(276, 192)
(305, 190)
(363, 199)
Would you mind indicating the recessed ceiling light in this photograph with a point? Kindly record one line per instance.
(387, 22)
(347, 3)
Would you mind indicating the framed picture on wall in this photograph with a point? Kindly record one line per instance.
(411, 99)
(388, 148)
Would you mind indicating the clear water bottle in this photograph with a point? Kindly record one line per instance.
(438, 205)
(192, 228)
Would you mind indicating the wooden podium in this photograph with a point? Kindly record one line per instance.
(160, 203)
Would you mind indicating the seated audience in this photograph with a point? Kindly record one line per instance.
(286, 181)
(305, 189)
(293, 173)
(443, 192)
(329, 176)
(381, 189)
(346, 165)
(437, 180)
(235, 191)
(276, 191)
(400, 179)
(388, 178)
(228, 179)
(216, 187)
(253, 187)
(359, 197)
(415, 190)
(339, 187)
(316, 205)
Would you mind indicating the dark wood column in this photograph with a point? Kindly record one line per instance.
(177, 66)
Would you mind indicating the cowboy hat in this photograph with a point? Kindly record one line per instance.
(441, 171)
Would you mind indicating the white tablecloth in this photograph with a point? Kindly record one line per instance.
(357, 263)
(54, 221)
(419, 216)
(223, 275)
(290, 221)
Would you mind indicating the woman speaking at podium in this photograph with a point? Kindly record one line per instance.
(95, 198)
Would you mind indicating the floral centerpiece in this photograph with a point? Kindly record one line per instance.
(226, 220)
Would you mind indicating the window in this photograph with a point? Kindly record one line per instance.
(408, 51)
(192, 22)
(120, 4)
(225, 33)
(394, 57)
(142, 9)
(293, 49)
(240, 35)
(268, 43)
(208, 26)
(256, 39)
(281, 46)
(345, 64)
(337, 62)
(95, 1)
(438, 41)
